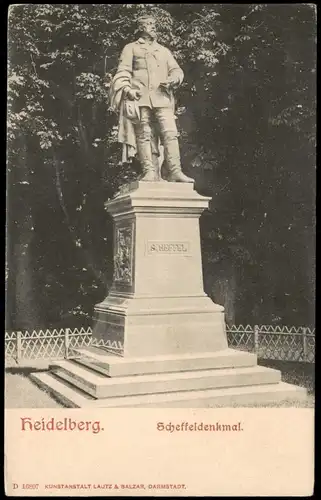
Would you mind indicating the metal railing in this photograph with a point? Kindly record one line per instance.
(267, 341)
(52, 344)
(274, 342)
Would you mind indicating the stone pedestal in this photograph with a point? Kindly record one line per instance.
(157, 304)
(166, 339)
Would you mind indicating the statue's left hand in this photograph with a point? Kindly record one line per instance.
(172, 83)
(168, 86)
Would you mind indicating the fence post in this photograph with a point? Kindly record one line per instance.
(304, 344)
(19, 348)
(256, 338)
(66, 343)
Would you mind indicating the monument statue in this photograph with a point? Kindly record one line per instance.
(158, 339)
(142, 93)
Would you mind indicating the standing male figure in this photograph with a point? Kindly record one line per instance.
(142, 93)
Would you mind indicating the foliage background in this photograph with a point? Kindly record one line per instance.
(246, 115)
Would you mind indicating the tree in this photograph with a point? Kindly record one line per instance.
(247, 122)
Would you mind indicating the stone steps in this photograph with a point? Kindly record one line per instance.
(224, 378)
(116, 366)
(263, 394)
(100, 386)
(61, 390)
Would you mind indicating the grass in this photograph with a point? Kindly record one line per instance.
(297, 373)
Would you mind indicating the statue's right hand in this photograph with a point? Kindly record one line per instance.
(133, 94)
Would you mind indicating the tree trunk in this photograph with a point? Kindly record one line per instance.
(22, 308)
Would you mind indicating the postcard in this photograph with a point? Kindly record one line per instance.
(160, 264)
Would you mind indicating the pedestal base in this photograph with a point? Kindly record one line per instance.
(170, 335)
(159, 326)
(227, 378)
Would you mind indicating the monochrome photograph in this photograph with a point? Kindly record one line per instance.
(160, 211)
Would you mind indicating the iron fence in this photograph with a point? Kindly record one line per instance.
(274, 342)
(52, 344)
(267, 341)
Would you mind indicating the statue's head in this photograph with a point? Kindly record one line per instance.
(146, 25)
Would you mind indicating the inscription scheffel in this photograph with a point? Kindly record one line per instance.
(168, 247)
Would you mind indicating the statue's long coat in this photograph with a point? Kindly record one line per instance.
(142, 67)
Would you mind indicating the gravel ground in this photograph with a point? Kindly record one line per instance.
(21, 392)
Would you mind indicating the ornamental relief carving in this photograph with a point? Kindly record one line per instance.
(123, 257)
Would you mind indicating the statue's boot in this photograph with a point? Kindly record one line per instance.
(149, 176)
(157, 167)
(173, 162)
(150, 170)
